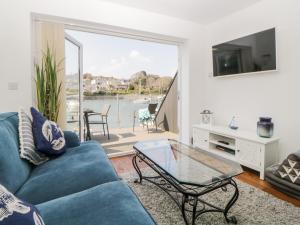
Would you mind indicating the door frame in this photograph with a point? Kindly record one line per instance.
(113, 30)
(180, 46)
(80, 71)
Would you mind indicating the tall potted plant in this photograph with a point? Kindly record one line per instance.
(48, 88)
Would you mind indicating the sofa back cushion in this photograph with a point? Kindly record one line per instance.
(14, 171)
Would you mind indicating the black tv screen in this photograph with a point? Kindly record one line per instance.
(253, 53)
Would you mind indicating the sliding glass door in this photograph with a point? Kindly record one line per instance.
(73, 85)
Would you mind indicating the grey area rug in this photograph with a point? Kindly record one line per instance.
(254, 207)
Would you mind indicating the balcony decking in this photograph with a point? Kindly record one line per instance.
(122, 139)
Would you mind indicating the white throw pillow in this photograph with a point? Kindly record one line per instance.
(27, 146)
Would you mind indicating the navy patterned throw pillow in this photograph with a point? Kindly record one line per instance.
(13, 211)
(48, 137)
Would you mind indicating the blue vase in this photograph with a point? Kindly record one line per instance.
(233, 125)
(265, 127)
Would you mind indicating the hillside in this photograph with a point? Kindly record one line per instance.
(139, 83)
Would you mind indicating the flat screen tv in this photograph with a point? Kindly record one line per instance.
(253, 53)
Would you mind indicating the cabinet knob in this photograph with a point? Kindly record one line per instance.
(238, 150)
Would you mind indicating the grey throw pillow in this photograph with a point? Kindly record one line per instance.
(27, 146)
(289, 170)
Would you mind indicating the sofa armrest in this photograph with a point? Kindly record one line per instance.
(72, 139)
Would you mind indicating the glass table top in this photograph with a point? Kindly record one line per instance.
(186, 164)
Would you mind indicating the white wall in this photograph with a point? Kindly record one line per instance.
(275, 94)
(15, 42)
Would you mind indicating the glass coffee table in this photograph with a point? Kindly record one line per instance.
(186, 174)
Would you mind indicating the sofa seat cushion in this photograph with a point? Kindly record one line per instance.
(79, 168)
(108, 204)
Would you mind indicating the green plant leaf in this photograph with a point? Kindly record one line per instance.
(48, 89)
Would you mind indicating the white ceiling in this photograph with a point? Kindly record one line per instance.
(199, 11)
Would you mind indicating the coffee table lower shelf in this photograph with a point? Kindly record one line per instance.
(187, 196)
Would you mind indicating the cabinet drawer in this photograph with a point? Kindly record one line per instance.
(200, 138)
(249, 153)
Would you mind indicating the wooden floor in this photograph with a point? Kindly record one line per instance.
(124, 164)
(252, 178)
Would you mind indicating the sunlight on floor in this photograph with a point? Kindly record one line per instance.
(122, 139)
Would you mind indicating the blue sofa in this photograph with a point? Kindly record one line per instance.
(80, 187)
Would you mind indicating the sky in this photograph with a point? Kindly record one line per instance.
(120, 57)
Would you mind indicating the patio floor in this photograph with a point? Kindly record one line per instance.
(122, 139)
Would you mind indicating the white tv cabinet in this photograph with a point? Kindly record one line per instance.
(244, 147)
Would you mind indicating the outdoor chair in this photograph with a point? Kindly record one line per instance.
(152, 110)
(103, 121)
(146, 115)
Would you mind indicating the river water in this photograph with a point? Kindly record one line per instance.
(121, 113)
